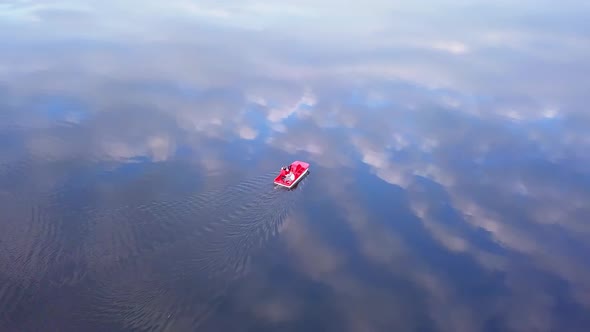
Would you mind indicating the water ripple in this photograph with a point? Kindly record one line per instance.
(154, 266)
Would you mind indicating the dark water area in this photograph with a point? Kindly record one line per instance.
(448, 149)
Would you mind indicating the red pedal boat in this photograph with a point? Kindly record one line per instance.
(291, 175)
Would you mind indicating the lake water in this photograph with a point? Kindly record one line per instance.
(448, 190)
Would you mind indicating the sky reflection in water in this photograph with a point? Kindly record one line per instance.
(448, 144)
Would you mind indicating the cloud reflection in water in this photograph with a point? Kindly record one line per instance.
(448, 140)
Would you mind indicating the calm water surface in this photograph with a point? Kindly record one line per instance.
(448, 141)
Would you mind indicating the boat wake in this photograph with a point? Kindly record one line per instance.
(161, 265)
(199, 247)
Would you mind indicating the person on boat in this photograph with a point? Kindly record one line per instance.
(290, 174)
(284, 172)
(287, 174)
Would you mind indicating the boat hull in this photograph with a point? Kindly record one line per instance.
(301, 169)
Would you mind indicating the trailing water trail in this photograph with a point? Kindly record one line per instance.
(129, 231)
(38, 251)
(163, 263)
(179, 284)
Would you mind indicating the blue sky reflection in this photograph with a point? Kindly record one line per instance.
(459, 131)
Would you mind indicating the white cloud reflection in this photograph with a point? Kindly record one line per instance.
(484, 102)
